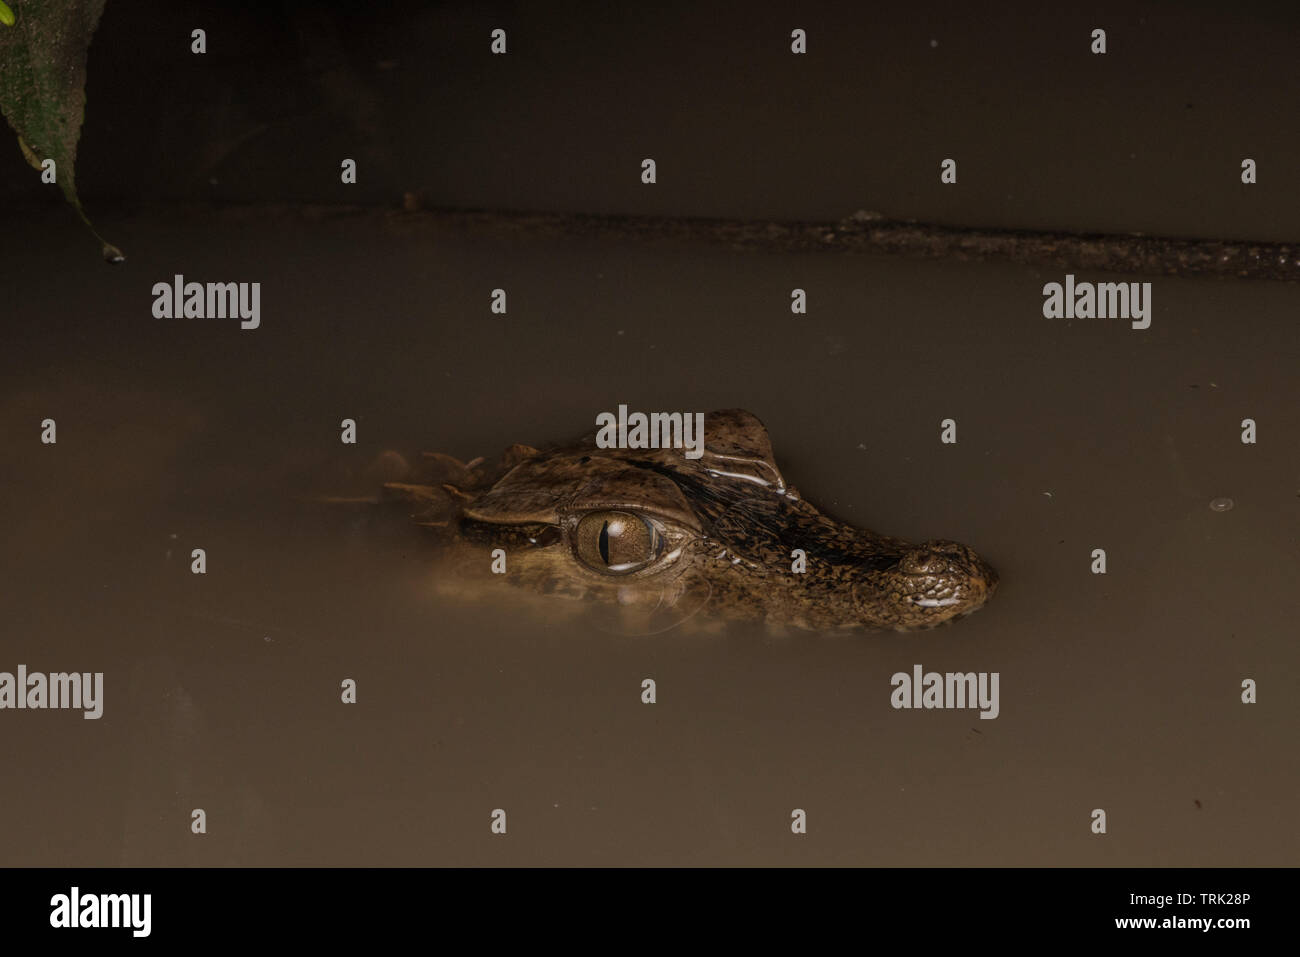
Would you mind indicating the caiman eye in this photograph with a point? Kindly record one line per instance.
(617, 542)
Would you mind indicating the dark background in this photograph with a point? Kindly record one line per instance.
(1147, 138)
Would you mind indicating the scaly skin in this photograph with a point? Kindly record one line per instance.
(722, 529)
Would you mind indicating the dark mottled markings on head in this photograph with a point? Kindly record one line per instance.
(770, 523)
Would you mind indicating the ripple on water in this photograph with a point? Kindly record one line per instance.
(1221, 504)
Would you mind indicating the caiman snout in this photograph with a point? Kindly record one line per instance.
(931, 583)
(940, 557)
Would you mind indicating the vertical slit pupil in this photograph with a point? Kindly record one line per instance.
(604, 542)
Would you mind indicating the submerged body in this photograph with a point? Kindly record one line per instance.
(657, 531)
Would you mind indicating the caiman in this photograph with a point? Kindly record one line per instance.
(654, 530)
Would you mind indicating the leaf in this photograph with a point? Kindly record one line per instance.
(43, 85)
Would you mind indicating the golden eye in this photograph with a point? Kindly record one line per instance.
(617, 542)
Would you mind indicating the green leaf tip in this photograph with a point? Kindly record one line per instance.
(43, 85)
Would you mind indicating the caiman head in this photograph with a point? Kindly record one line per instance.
(651, 529)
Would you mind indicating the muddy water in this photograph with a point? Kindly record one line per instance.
(221, 691)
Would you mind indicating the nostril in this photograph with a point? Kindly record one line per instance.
(937, 558)
(951, 549)
(923, 561)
